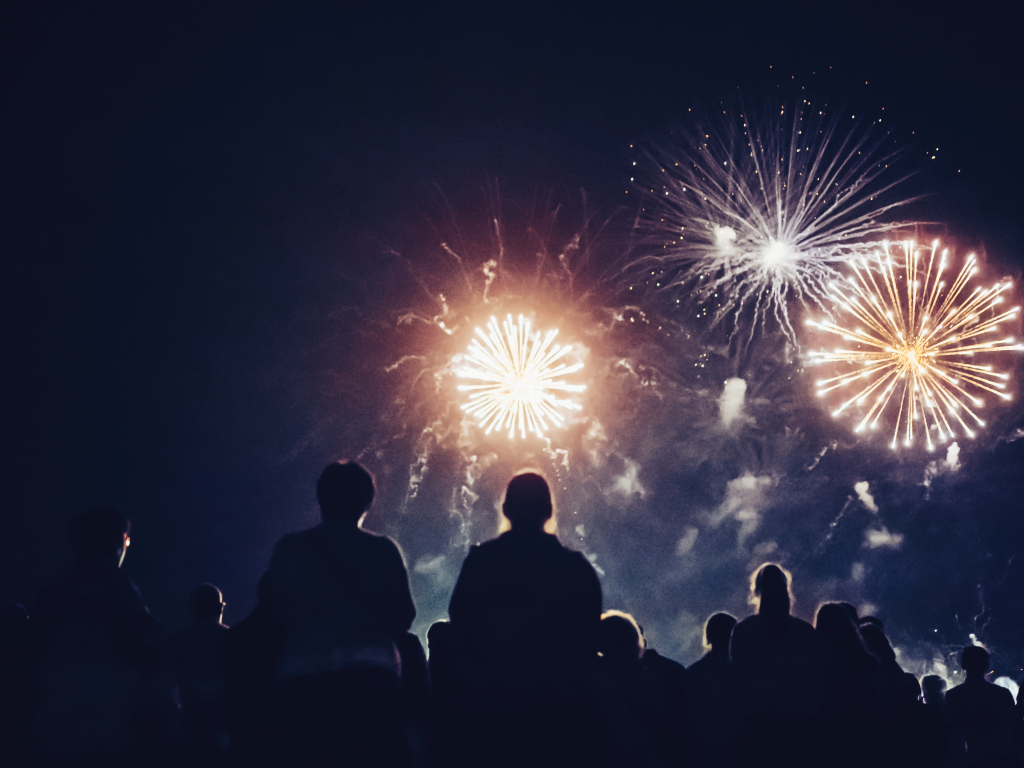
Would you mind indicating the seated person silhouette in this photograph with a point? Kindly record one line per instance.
(99, 650)
(341, 597)
(197, 654)
(772, 656)
(525, 615)
(981, 714)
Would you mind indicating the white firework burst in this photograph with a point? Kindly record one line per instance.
(517, 369)
(754, 210)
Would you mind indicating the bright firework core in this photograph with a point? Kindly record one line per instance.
(916, 337)
(517, 368)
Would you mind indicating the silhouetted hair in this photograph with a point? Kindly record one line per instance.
(527, 501)
(934, 688)
(718, 629)
(619, 637)
(344, 491)
(770, 587)
(836, 631)
(206, 602)
(98, 532)
(974, 659)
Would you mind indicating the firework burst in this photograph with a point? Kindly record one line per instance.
(756, 210)
(914, 344)
(517, 369)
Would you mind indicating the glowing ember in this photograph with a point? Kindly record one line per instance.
(918, 334)
(517, 369)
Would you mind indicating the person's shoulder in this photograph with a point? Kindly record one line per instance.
(954, 693)
(293, 540)
(377, 542)
(748, 624)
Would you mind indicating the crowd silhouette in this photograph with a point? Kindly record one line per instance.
(529, 670)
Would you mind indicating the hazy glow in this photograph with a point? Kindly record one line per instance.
(517, 369)
(911, 342)
(756, 210)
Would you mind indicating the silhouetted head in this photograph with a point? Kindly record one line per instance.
(527, 503)
(974, 660)
(851, 612)
(439, 639)
(100, 537)
(619, 638)
(873, 620)
(877, 643)
(934, 688)
(717, 631)
(344, 492)
(770, 587)
(836, 632)
(207, 603)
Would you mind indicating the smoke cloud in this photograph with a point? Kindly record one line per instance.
(876, 538)
(865, 495)
(730, 404)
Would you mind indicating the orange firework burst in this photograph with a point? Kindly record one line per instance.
(517, 369)
(914, 347)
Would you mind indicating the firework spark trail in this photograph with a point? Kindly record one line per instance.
(913, 341)
(518, 370)
(757, 210)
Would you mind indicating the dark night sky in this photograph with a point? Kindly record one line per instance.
(191, 191)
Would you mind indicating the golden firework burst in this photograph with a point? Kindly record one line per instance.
(915, 342)
(517, 369)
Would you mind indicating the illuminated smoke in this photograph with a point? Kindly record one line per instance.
(865, 495)
(731, 403)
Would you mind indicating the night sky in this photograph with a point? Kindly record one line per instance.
(215, 213)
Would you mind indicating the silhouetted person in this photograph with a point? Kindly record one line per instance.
(711, 691)
(443, 667)
(252, 653)
(845, 675)
(525, 613)
(99, 651)
(772, 654)
(632, 722)
(936, 746)
(981, 713)
(667, 712)
(878, 646)
(341, 595)
(17, 686)
(197, 654)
